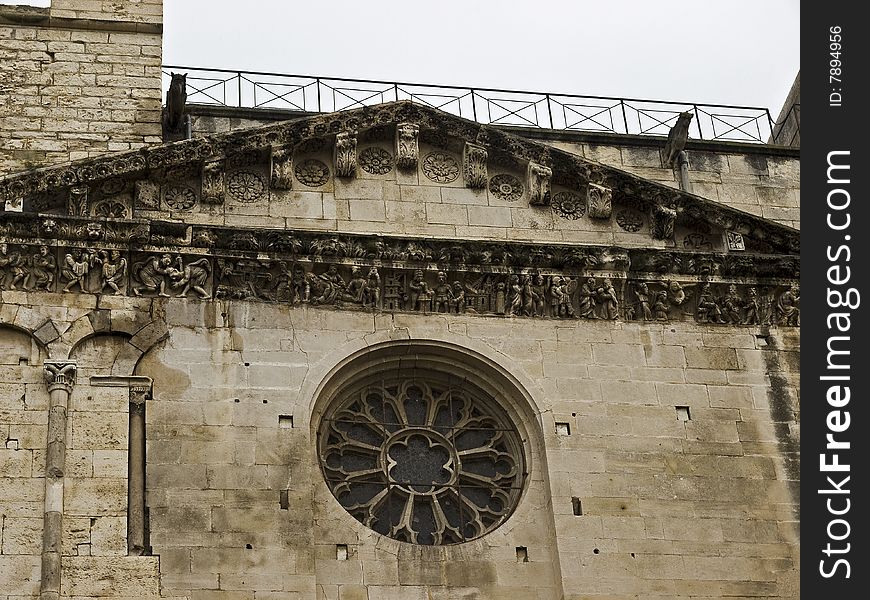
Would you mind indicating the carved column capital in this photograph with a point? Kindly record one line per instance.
(474, 166)
(60, 374)
(213, 182)
(407, 145)
(282, 168)
(139, 393)
(344, 157)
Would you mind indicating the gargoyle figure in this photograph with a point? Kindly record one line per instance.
(174, 119)
(677, 138)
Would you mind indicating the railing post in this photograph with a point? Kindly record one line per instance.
(317, 86)
(624, 116)
(474, 107)
(239, 76)
(698, 120)
(396, 91)
(549, 111)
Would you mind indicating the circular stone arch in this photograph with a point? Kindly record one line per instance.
(478, 369)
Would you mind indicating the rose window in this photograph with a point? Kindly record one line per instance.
(421, 460)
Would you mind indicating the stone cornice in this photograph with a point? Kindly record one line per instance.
(568, 170)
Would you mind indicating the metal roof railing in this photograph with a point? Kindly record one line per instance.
(544, 110)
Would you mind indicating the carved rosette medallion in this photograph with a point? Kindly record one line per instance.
(422, 461)
(112, 186)
(376, 161)
(440, 167)
(599, 201)
(179, 197)
(312, 172)
(506, 187)
(474, 166)
(110, 209)
(630, 220)
(344, 157)
(568, 205)
(407, 145)
(539, 184)
(246, 186)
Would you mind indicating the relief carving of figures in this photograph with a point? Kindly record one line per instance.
(788, 307)
(407, 145)
(661, 308)
(561, 290)
(539, 184)
(514, 300)
(457, 301)
(442, 294)
(190, 277)
(282, 169)
(708, 310)
(13, 268)
(599, 201)
(538, 295)
(752, 314)
(150, 275)
(643, 301)
(372, 290)
(75, 270)
(608, 303)
(327, 287)
(587, 299)
(213, 182)
(732, 304)
(43, 267)
(113, 272)
(355, 289)
(474, 166)
(419, 294)
(344, 156)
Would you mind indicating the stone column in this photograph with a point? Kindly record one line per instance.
(136, 543)
(61, 378)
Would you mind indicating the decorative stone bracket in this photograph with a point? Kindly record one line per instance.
(539, 184)
(474, 166)
(407, 145)
(344, 155)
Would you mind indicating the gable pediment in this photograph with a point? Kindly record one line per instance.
(399, 187)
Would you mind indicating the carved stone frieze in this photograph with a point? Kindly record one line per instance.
(166, 275)
(344, 154)
(474, 166)
(599, 201)
(407, 145)
(282, 169)
(213, 182)
(538, 178)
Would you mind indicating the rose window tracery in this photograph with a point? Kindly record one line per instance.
(422, 460)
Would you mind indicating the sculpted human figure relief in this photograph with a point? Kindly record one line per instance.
(457, 301)
(75, 270)
(788, 307)
(708, 310)
(42, 270)
(539, 184)
(419, 295)
(643, 301)
(113, 272)
(587, 299)
(607, 300)
(191, 276)
(372, 290)
(355, 288)
(442, 294)
(13, 267)
(151, 274)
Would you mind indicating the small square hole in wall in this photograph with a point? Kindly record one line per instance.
(683, 413)
(563, 429)
(576, 507)
(12, 444)
(284, 499)
(522, 554)
(341, 552)
(285, 421)
(23, 362)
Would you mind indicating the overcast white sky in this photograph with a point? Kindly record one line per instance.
(744, 52)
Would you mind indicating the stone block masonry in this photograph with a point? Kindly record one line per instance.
(78, 79)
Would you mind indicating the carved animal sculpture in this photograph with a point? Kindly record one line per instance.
(176, 98)
(677, 138)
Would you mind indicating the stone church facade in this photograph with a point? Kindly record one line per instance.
(384, 353)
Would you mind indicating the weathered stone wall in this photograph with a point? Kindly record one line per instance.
(238, 507)
(759, 179)
(78, 79)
